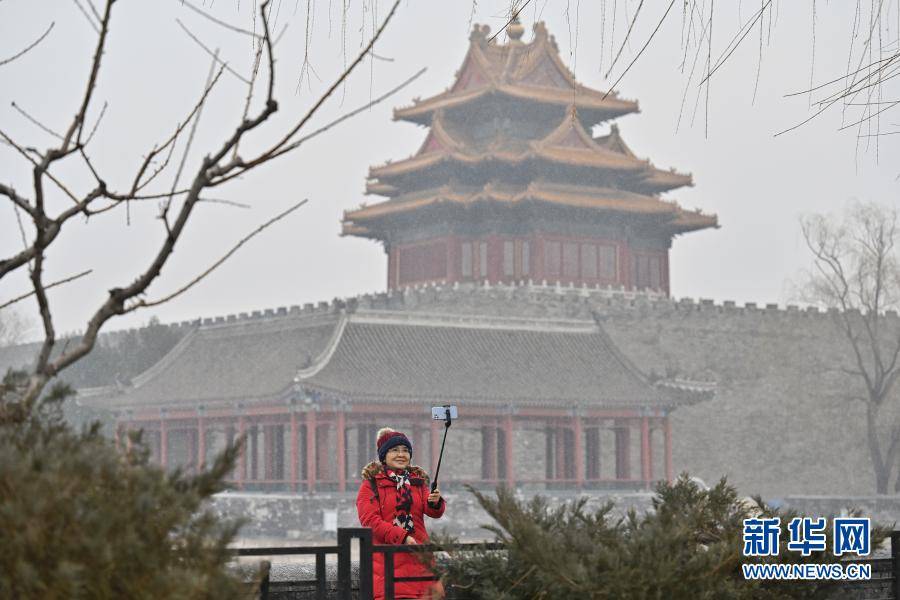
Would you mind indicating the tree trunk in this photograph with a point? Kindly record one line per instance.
(882, 474)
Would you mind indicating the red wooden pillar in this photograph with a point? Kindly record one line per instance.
(559, 439)
(489, 456)
(295, 452)
(646, 458)
(163, 442)
(667, 433)
(311, 450)
(201, 442)
(341, 450)
(508, 451)
(578, 435)
(242, 463)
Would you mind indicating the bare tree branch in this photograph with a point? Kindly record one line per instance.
(35, 122)
(625, 41)
(25, 50)
(241, 167)
(87, 16)
(219, 22)
(736, 41)
(137, 185)
(215, 265)
(300, 141)
(78, 122)
(644, 47)
(19, 201)
(215, 55)
(46, 287)
(96, 125)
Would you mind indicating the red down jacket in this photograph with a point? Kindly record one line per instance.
(377, 513)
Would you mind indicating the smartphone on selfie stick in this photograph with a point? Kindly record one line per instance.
(446, 414)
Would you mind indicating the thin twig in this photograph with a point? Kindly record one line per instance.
(94, 11)
(87, 16)
(29, 46)
(21, 227)
(170, 142)
(50, 176)
(78, 121)
(46, 287)
(96, 125)
(293, 145)
(211, 53)
(732, 45)
(625, 41)
(34, 121)
(218, 263)
(206, 15)
(635, 59)
(222, 172)
(511, 19)
(191, 134)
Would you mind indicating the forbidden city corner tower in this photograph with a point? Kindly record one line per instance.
(510, 184)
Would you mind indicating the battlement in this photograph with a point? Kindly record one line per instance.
(527, 298)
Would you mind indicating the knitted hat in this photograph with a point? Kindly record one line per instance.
(388, 438)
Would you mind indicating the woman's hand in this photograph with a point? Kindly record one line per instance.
(410, 541)
(434, 498)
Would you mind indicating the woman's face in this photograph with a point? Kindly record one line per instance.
(397, 457)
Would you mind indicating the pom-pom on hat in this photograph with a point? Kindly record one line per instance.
(387, 438)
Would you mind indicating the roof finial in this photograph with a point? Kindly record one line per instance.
(515, 29)
(480, 33)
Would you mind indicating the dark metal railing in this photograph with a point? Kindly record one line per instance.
(885, 580)
(367, 550)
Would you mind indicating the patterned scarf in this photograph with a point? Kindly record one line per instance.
(402, 518)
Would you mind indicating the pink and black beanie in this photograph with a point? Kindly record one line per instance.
(387, 439)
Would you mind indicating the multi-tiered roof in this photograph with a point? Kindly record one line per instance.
(510, 156)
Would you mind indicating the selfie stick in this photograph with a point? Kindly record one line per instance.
(437, 470)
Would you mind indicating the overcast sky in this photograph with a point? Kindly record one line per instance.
(152, 74)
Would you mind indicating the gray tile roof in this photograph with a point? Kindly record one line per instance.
(246, 361)
(384, 357)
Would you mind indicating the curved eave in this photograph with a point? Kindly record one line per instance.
(692, 221)
(662, 181)
(366, 221)
(560, 155)
(381, 189)
(683, 392)
(590, 103)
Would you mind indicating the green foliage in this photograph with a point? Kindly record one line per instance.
(688, 547)
(79, 519)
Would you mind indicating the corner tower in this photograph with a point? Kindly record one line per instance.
(510, 184)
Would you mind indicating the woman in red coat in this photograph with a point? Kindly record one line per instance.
(392, 501)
